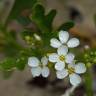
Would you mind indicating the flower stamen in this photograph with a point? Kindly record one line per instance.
(71, 70)
(62, 58)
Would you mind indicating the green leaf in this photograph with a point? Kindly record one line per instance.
(21, 62)
(22, 59)
(49, 18)
(44, 22)
(8, 64)
(11, 45)
(24, 20)
(38, 12)
(67, 26)
(39, 18)
(19, 6)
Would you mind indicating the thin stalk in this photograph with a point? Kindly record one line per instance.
(88, 83)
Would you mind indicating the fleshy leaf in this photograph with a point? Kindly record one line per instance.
(7, 64)
(44, 22)
(66, 26)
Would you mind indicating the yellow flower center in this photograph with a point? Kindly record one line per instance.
(71, 70)
(62, 58)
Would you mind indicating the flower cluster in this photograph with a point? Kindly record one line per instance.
(39, 68)
(64, 61)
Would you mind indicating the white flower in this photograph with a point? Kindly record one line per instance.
(63, 37)
(73, 71)
(39, 68)
(61, 57)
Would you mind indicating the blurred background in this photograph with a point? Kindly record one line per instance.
(82, 12)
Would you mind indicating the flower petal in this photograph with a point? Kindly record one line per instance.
(45, 72)
(62, 74)
(53, 57)
(69, 58)
(80, 68)
(36, 71)
(59, 66)
(55, 43)
(63, 50)
(75, 79)
(63, 36)
(74, 42)
(44, 60)
(33, 61)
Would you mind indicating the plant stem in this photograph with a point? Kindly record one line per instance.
(88, 83)
(69, 91)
